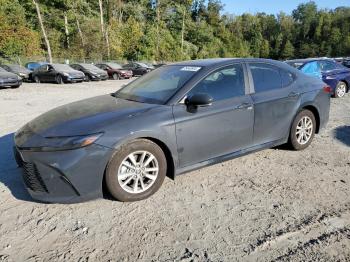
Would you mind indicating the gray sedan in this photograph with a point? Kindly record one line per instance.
(177, 118)
(8, 79)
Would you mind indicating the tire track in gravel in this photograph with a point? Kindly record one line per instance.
(311, 230)
(319, 241)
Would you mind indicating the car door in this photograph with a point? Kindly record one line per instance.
(139, 70)
(51, 74)
(223, 127)
(275, 100)
(42, 73)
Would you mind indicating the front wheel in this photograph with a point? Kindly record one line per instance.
(115, 76)
(303, 130)
(59, 79)
(340, 90)
(136, 171)
(37, 79)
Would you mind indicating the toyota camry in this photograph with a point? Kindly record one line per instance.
(175, 119)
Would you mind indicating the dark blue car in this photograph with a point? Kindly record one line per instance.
(174, 119)
(334, 74)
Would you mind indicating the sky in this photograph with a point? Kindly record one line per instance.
(274, 6)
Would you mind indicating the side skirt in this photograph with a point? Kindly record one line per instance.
(230, 156)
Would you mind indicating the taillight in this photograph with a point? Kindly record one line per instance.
(327, 89)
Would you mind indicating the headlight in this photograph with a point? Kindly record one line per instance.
(22, 74)
(65, 74)
(67, 143)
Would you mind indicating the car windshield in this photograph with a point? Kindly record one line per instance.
(114, 65)
(297, 65)
(158, 86)
(2, 70)
(90, 67)
(62, 67)
(143, 65)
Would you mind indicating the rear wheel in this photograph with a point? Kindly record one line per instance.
(136, 171)
(340, 90)
(303, 130)
(115, 76)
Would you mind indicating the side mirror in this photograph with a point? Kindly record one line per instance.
(199, 100)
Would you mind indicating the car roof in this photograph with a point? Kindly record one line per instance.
(213, 62)
(307, 60)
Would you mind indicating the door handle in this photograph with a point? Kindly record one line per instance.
(247, 106)
(293, 94)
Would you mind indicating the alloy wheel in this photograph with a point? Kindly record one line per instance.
(138, 172)
(115, 76)
(341, 90)
(304, 130)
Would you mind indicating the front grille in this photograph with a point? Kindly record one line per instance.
(32, 178)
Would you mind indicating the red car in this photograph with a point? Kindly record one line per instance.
(115, 71)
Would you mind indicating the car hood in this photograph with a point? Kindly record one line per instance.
(8, 75)
(98, 72)
(72, 72)
(79, 118)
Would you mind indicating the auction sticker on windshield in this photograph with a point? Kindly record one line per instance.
(191, 68)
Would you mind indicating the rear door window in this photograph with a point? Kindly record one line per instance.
(265, 77)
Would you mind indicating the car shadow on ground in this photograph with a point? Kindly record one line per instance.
(10, 174)
(342, 134)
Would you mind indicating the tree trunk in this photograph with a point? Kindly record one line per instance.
(80, 32)
(101, 18)
(182, 33)
(66, 29)
(43, 30)
(103, 31)
(158, 35)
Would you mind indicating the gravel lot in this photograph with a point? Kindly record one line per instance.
(274, 205)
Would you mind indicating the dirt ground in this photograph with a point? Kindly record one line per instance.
(274, 205)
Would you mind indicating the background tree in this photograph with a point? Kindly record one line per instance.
(167, 30)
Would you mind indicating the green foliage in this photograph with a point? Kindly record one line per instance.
(153, 30)
(15, 37)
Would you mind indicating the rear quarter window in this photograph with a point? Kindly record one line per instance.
(286, 77)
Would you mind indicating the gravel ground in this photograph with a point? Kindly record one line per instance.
(274, 205)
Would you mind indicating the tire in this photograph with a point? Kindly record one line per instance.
(87, 78)
(121, 180)
(340, 90)
(59, 80)
(115, 76)
(16, 86)
(37, 79)
(304, 118)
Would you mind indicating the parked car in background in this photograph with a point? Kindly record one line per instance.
(138, 69)
(159, 65)
(115, 70)
(346, 62)
(175, 119)
(57, 73)
(34, 65)
(92, 72)
(334, 74)
(19, 70)
(8, 79)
